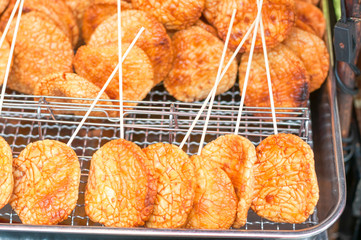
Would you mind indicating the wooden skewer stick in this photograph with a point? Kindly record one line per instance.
(120, 70)
(216, 82)
(214, 89)
(7, 72)
(274, 120)
(248, 68)
(9, 22)
(104, 87)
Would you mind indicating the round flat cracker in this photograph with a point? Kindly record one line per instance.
(278, 19)
(47, 177)
(215, 202)
(57, 12)
(73, 86)
(175, 192)
(95, 14)
(289, 78)
(154, 41)
(197, 57)
(312, 16)
(97, 63)
(173, 14)
(286, 181)
(236, 156)
(41, 49)
(6, 172)
(314, 54)
(121, 186)
(4, 57)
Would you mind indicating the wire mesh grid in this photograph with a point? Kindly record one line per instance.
(159, 118)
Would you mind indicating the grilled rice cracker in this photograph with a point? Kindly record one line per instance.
(97, 63)
(289, 77)
(41, 49)
(6, 172)
(121, 186)
(313, 53)
(196, 62)
(154, 41)
(215, 202)
(286, 182)
(278, 18)
(175, 192)
(173, 14)
(47, 177)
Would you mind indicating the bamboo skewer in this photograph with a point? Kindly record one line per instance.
(274, 120)
(120, 70)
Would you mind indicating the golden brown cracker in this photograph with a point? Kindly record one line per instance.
(289, 78)
(6, 172)
(311, 15)
(175, 192)
(41, 49)
(215, 202)
(96, 13)
(47, 177)
(197, 58)
(278, 18)
(154, 41)
(286, 181)
(97, 63)
(173, 14)
(235, 155)
(314, 54)
(121, 188)
(72, 86)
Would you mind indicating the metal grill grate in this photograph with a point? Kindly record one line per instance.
(157, 119)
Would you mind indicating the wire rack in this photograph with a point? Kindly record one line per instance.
(157, 119)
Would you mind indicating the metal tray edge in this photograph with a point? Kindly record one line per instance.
(303, 233)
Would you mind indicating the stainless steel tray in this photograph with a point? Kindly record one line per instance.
(161, 119)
